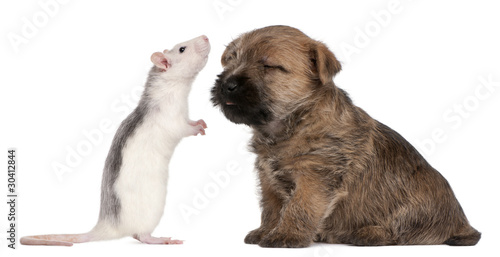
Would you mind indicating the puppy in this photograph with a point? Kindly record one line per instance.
(328, 172)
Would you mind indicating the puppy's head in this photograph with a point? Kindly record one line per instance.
(269, 73)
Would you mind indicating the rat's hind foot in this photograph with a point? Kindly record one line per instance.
(148, 239)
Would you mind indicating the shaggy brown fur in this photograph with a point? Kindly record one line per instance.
(328, 172)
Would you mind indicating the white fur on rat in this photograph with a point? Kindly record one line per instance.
(134, 183)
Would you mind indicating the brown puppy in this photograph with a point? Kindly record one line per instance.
(328, 171)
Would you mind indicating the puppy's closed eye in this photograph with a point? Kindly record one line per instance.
(268, 67)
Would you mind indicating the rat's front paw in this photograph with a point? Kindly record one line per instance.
(198, 122)
(197, 127)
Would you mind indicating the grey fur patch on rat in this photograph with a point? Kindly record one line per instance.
(110, 202)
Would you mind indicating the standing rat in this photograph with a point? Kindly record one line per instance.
(134, 182)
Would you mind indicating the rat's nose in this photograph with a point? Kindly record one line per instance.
(205, 38)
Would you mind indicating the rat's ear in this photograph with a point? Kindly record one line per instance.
(160, 61)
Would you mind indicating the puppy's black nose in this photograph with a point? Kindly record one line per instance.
(231, 86)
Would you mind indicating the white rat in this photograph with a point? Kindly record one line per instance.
(134, 183)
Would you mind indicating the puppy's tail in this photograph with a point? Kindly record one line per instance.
(60, 240)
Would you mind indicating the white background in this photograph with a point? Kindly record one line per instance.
(413, 69)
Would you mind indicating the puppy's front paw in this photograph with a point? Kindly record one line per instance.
(254, 236)
(280, 240)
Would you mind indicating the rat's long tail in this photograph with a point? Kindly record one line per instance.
(101, 231)
(62, 240)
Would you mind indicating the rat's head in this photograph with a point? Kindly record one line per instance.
(183, 60)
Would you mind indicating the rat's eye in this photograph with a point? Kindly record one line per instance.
(182, 49)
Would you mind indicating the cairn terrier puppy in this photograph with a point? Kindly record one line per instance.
(328, 172)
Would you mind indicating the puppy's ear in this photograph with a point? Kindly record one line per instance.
(324, 62)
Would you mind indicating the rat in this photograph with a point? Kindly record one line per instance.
(134, 181)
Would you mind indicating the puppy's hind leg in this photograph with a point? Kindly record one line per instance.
(372, 236)
(148, 239)
(468, 236)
